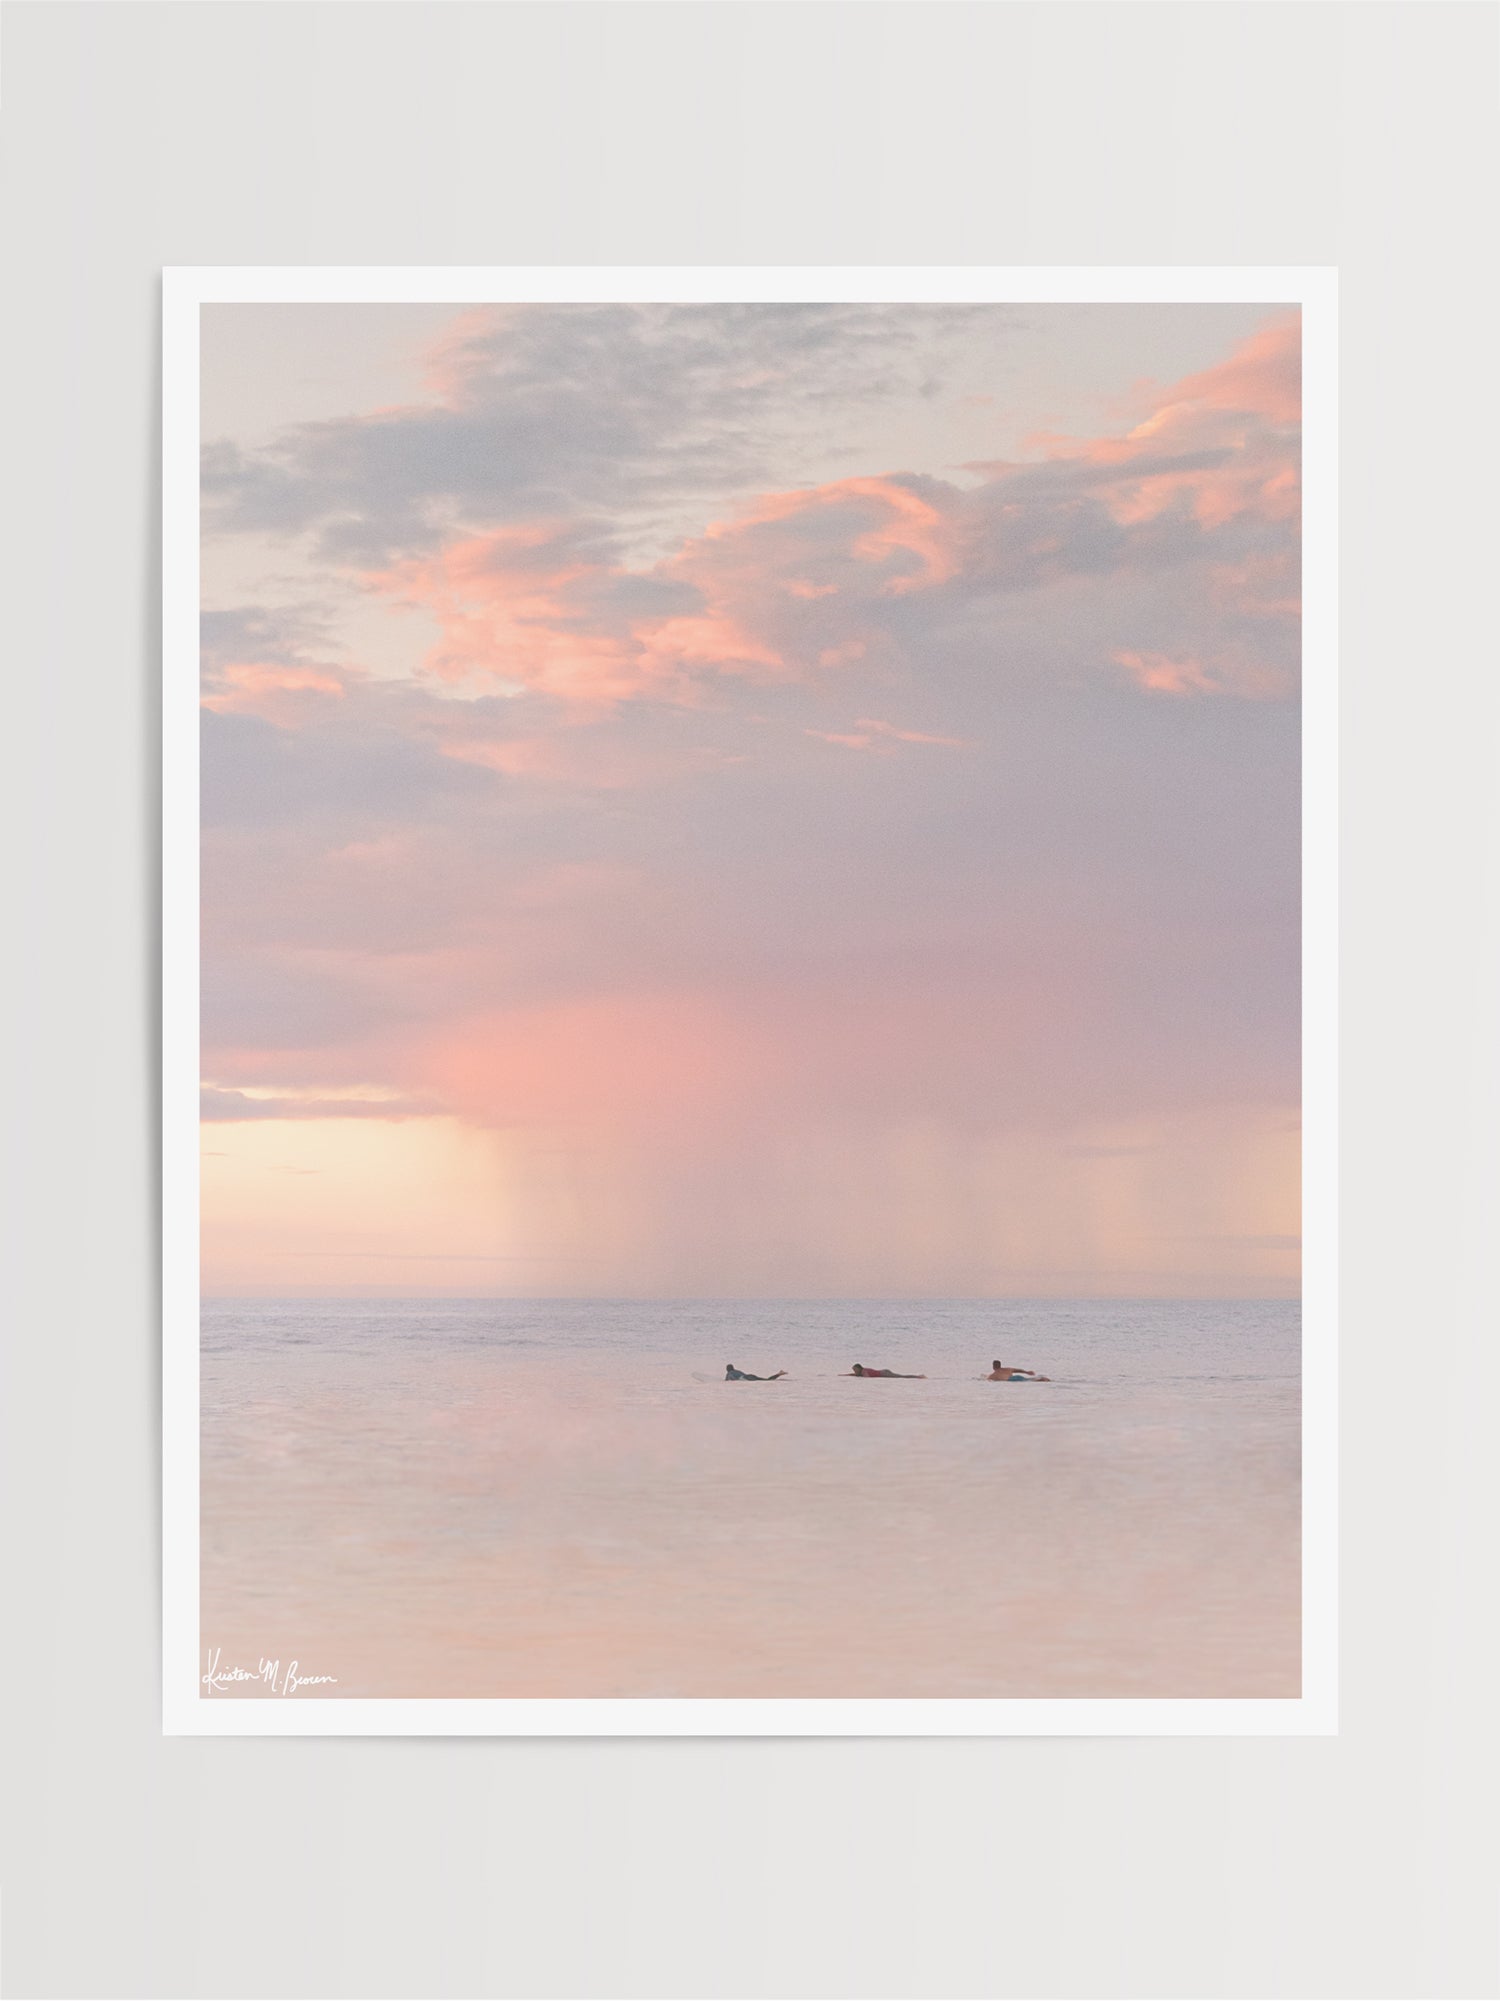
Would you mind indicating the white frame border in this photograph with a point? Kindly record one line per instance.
(185, 1711)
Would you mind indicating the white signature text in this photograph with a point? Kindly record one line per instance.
(267, 1673)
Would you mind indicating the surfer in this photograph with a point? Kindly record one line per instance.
(859, 1369)
(734, 1375)
(999, 1373)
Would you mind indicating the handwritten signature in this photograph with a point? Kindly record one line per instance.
(267, 1673)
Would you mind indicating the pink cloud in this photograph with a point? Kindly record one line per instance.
(1263, 376)
(583, 757)
(1228, 672)
(1228, 437)
(1165, 676)
(1246, 408)
(522, 605)
(814, 582)
(853, 538)
(911, 527)
(450, 359)
(512, 605)
(1264, 585)
(269, 690)
(871, 734)
(529, 608)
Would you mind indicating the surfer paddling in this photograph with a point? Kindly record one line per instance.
(999, 1373)
(734, 1375)
(859, 1369)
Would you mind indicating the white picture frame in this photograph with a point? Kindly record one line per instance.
(188, 1706)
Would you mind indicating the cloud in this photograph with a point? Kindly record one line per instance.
(261, 688)
(756, 832)
(265, 662)
(285, 634)
(1183, 531)
(1263, 377)
(218, 1105)
(542, 607)
(871, 734)
(530, 609)
(358, 762)
(1162, 675)
(645, 415)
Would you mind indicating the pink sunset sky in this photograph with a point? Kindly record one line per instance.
(708, 800)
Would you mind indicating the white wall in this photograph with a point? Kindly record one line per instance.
(142, 135)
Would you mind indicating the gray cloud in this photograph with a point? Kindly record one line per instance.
(1093, 902)
(350, 772)
(631, 413)
(1040, 888)
(223, 1106)
(288, 635)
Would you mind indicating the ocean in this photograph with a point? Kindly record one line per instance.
(495, 1497)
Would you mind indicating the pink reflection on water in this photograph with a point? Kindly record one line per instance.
(493, 1523)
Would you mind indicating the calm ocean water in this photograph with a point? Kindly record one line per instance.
(546, 1497)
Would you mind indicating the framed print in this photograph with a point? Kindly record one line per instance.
(749, 1001)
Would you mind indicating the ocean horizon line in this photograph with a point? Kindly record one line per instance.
(743, 1298)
